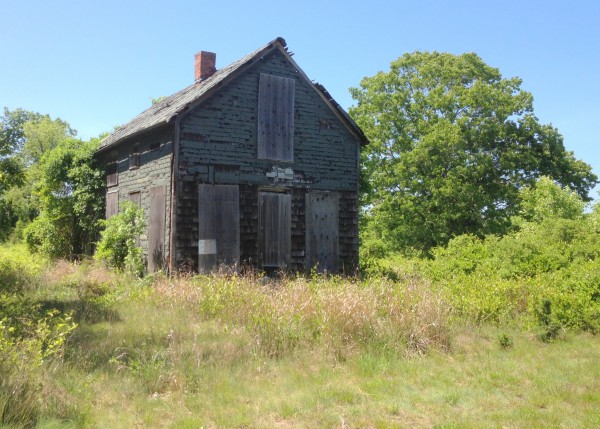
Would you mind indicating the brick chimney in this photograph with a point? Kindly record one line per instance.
(205, 65)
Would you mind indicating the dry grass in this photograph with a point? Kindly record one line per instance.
(343, 314)
(230, 351)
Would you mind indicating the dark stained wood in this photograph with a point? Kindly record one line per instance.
(276, 118)
(136, 198)
(218, 226)
(112, 203)
(156, 228)
(112, 173)
(322, 231)
(275, 230)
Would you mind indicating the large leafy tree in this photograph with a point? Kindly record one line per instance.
(451, 144)
(69, 189)
(53, 184)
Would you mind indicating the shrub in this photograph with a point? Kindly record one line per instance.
(117, 246)
(19, 271)
(30, 339)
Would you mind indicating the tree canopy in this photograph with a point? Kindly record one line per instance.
(50, 184)
(452, 142)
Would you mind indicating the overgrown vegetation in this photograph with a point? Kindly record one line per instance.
(51, 189)
(118, 247)
(545, 272)
(452, 143)
(479, 301)
(229, 351)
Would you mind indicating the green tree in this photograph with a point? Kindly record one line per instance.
(451, 144)
(546, 200)
(43, 135)
(24, 138)
(69, 187)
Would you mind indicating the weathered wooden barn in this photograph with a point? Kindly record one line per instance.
(252, 164)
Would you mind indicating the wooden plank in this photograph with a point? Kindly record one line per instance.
(275, 235)
(156, 228)
(276, 118)
(136, 198)
(322, 231)
(218, 226)
(207, 234)
(112, 203)
(227, 222)
(112, 169)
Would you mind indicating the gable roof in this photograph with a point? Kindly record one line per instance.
(165, 110)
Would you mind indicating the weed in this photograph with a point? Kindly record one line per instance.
(505, 341)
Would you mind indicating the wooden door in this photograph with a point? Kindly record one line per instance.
(322, 231)
(275, 232)
(156, 229)
(218, 226)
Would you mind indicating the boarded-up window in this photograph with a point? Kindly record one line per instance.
(322, 231)
(218, 226)
(112, 173)
(156, 228)
(276, 118)
(135, 198)
(112, 203)
(134, 157)
(275, 233)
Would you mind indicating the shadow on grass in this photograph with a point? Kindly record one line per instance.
(89, 346)
(84, 311)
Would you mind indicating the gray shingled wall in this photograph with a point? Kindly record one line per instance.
(154, 170)
(219, 145)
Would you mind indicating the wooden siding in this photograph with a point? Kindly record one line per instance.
(156, 229)
(322, 231)
(154, 169)
(219, 139)
(112, 203)
(219, 145)
(275, 232)
(276, 118)
(218, 226)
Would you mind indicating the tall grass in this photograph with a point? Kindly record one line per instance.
(246, 351)
(342, 314)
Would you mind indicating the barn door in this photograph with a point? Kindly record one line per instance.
(219, 226)
(322, 231)
(275, 234)
(156, 228)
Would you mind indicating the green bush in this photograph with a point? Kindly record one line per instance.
(19, 271)
(51, 237)
(30, 339)
(117, 246)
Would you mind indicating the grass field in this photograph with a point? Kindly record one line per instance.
(231, 352)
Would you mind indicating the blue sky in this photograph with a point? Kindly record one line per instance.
(98, 64)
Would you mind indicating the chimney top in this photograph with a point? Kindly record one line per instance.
(204, 65)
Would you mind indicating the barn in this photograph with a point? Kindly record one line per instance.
(251, 165)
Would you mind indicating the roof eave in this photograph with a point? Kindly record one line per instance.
(112, 145)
